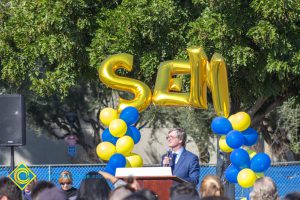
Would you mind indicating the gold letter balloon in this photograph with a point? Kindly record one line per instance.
(203, 74)
(107, 74)
(168, 85)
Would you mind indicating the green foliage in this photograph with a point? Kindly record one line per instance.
(289, 121)
(260, 42)
(43, 44)
(152, 31)
(50, 51)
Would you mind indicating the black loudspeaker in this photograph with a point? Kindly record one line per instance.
(12, 120)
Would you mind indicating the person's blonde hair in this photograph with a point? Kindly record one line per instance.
(264, 188)
(211, 186)
(65, 176)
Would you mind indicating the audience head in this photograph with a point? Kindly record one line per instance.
(93, 187)
(183, 191)
(52, 194)
(264, 188)
(9, 190)
(65, 180)
(121, 192)
(211, 186)
(30, 186)
(149, 194)
(292, 196)
(133, 183)
(39, 187)
(215, 198)
(135, 196)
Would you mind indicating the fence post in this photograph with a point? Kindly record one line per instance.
(222, 163)
(49, 173)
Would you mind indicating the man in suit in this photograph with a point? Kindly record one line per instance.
(183, 163)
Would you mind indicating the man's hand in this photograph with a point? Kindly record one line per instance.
(166, 161)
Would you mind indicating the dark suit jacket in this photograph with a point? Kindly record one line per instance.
(187, 167)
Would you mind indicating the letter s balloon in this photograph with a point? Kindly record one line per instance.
(107, 74)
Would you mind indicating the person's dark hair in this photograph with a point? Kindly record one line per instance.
(39, 187)
(215, 198)
(121, 192)
(149, 194)
(9, 189)
(183, 191)
(93, 187)
(292, 196)
(135, 196)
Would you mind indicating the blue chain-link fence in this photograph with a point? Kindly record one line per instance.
(285, 175)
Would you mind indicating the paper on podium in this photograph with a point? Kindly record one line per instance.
(144, 171)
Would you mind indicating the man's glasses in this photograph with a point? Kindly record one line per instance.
(171, 137)
(67, 183)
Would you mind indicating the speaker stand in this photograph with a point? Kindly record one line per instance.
(12, 158)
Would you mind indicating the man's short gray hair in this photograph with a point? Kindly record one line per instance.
(264, 188)
(180, 134)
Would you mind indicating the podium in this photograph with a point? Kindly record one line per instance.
(157, 179)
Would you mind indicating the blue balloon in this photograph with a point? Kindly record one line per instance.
(260, 162)
(231, 173)
(221, 125)
(108, 137)
(134, 133)
(130, 115)
(128, 132)
(235, 139)
(240, 158)
(110, 170)
(117, 161)
(251, 136)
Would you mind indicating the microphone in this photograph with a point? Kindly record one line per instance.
(169, 155)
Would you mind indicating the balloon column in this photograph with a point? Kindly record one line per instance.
(119, 138)
(246, 165)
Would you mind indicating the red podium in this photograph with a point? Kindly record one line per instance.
(159, 180)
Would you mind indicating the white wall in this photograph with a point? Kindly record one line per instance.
(38, 150)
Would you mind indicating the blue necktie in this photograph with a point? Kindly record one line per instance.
(174, 155)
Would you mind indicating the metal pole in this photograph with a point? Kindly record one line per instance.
(12, 158)
(223, 161)
(49, 173)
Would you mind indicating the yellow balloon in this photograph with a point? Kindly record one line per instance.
(259, 175)
(176, 84)
(223, 145)
(124, 145)
(105, 150)
(107, 115)
(246, 178)
(135, 160)
(240, 121)
(118, 127)
(163, 95)
(107, 74)
(127, 164)
(251, 153)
